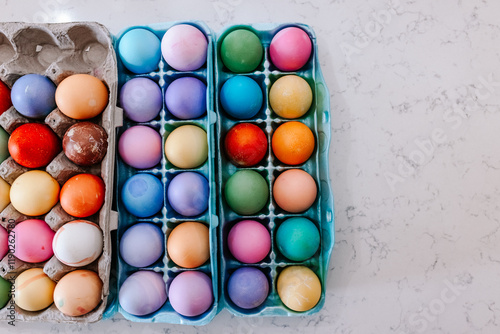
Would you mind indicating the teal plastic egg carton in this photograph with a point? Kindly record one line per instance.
(165, 171)
(321, 213)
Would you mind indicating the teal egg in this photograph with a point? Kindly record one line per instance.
(297, 238)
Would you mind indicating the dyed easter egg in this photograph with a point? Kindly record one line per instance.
(294, 190)
(248, 287)
(4, 145)
(32, 241)
(142, 195)
(241, 51)
(141, 99)
(186, 98)
(139, 50)
(34, 145)
(4, 194)
(81, 96)
(142, 293)
(78, 243)
(78, 293)
(4, 242)
(34, 193)
(241, 97)
(187, 146)
(299, 288)
(191, 293)
(85, 143)
(290, 96)
(298, 238)
(245, 144)
(142, 244)
(188, 245)
(83, 195)
(249, 241)
(140, 147)
(246, 192)
(5, 101)
(290, 49)
(184, 47)
(33, 95)
(293, 143)
(188, 194)
(5, 290)
(34, 290)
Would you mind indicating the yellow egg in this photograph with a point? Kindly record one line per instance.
(187, 146)
(299, 288)
(4, 194)
(33, 290)
(78, 293)
(81, 96)
(34, 193)
(290, 96)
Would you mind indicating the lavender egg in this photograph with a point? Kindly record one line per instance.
(185, 98)
(188, 194)
(191, 293)
(142, 293)
(141, 99)
(184, 47)
(248, 287)
(142, 245)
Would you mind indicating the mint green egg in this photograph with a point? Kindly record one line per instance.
(246, 192)
(298, 238)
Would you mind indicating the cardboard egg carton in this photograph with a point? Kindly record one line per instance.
(58, 51)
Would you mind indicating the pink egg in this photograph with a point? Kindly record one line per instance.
(249, 241)
(32, 241)
(140, 147)
(290, 49)
(4, 242)
(191, 293)
(184, 47)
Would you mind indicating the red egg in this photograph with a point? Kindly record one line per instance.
(34, 145)
(245, 144)
(82, 195)
(5, 101)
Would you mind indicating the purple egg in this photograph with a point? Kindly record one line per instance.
(141, 99)
(191, 293)
(142, 245)
(143, 292)
(188, 194)
(186, 98)
(140, 147)
(248, 287)
(34, 95)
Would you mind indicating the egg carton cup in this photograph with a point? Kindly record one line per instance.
(271, 216)
(167, 218)
(58, 50)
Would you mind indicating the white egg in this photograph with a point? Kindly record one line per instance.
(78, 243)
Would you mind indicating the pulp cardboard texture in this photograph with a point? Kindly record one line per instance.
(57, 51)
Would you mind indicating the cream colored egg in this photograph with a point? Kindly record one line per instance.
(34, 193)
(4, 194)
(187, 146)
(78, 243)
(33, 290)
(299, 288)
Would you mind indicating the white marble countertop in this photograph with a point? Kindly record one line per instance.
(415, 157)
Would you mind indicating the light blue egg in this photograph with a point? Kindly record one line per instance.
(142, 195)
(34, 96)
(139, 50)
(241, 97)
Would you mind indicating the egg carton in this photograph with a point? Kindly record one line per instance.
(58, 50)
(167, 218)
(321, 212)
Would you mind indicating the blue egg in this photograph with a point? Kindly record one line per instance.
(241, 97)
(188, 194)
(142, 195)
(34, 96)
(248, 287)
(298, 238)
(139, 50)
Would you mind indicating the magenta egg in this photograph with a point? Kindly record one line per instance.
(290, 49)
(249, 241)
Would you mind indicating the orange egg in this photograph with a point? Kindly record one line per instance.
(188, 245)
(82, 195)
(81, 96)
(293, 143)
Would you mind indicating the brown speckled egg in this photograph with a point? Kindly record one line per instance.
(85, 143)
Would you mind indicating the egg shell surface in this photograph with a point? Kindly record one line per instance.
(142, 244)
(142, 293)
(4, 242)
(140, 147)
(33, 95)
(293, 143)
(32, 241)
(4, 194)
(83, 195)
(85, 143)
(241, 51)
(188, 245)
(139, 50)
(4, 145)
(290, 49)
(187, 147)
(294, 190)
(188, 194)
(141, 99)
(34, 193)
(299, 288)
(142, 195)
(245, 144)
(191, 293)
(185, 98)
(78, 292)
(298, 238)
(78, 243)
(241, 97)
(246, 192)
(5, 290)
(248, 287)
(34, 290)
(184, 47)
(5, 101)
(290, 96)
(249, 241)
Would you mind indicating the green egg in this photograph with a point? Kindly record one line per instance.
(4, 139)
(4, 292)
(297, 238)
(241, 51)
(246, 192)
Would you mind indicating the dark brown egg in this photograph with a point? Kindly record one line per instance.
(85, 143)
